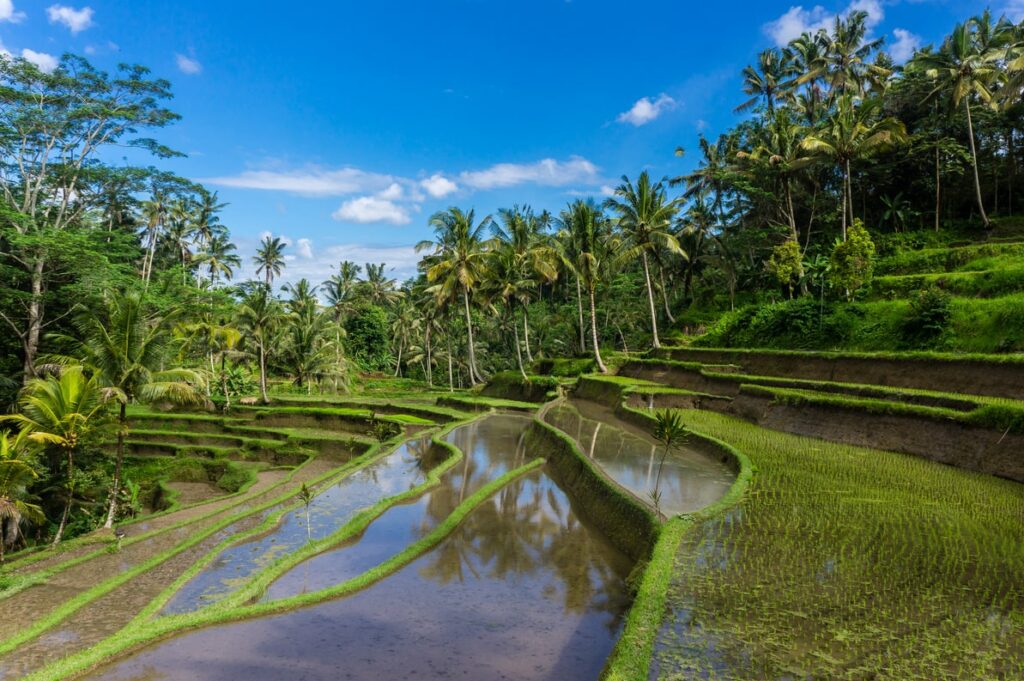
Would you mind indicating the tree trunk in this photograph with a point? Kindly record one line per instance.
(790, 212)
(650, 300)
(938, 189)
(263, 374)
(122, 422)
(526, 334)
(35, 321)
(474, 374)
(579, 306)
(593, 332)
(427, 369)
(664, 294)
(224, 382)
(71, 496)
(846, 171)
(974, 165)
(398, 362)
(519, 351)
(451, 380)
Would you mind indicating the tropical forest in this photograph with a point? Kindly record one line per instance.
(743, 399)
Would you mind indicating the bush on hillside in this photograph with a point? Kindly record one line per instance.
(786, 264)
(368, 339)
(803, 323)
(853, 260)
(928, 318)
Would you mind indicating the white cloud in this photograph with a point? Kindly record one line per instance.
(797, 20)
(1014, 10)
(393, 192)
(188, 65)
(904, 46)
(304, 247)
(607, 190)
(76, 20)
(645, 110)
(368, 209)
(8, 13)
(311, 182)
(547, 172)
(438, 186)
(45, 62)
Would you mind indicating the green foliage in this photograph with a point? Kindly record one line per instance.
(564, 367)
(786, 264)
(852, 261)
(929, 316)
(367, 337)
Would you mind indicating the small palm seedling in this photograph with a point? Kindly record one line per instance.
(670, 432)
(306, 494)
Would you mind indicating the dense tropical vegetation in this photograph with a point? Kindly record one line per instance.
(117, 282)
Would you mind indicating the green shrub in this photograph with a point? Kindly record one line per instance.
(367, 337)
(561, 366)
(786, 264)
(852, 260)
(928, 318)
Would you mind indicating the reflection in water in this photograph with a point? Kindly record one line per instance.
(491, 447)
(690, 480)
(397, 472)
(520, 590)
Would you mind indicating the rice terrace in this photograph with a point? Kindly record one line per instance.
(495, 340)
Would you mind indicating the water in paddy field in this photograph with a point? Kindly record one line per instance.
(690, 478)
(491, 447)
(331, 509)
(521, 589)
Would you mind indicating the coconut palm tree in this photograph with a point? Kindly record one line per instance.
(59, 413)
(964, 70)
(154, 213)
(587, 230)
(765, 81)
(269, 259)
(179, 234)
(645, 215)
(16, 474)
(259, 315)
(520, 230)
(853, 132)
(844, 63)
(218, 258)
(510, 283)
(378, 288)
(341, 289)
(124, 346)
(206, 219)
(458, 265)
(307, 351)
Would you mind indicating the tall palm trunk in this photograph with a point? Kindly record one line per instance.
(650, 300)
(122, 423)
(427, 368)
(526, 334)
(263, 374)
(593, 332)
(451, 379)
(224, 382)
(71, 495)
(398, 362)
(474, 374)
(846, 177)
(35, 320)
(519, 350)
(938, 189)
(579, 306)
(664, 295)
(974, 164)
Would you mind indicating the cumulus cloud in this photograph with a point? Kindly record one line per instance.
(646, 110)
(8, 13)
(438, 186)
(76, 20)
(188, 65)
(311, 181)
(369, 209)
(45, 62)
(547, 172)
(904, 46)
(304, 247)
(798, 20)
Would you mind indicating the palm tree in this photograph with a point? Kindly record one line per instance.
(259, 315)
(340, 290)
(765, 81)
(852, 133)
(269, 258)
(645, 218)
(963, 69)
(124, 346)
(713, 174)
(380, 290)
(587, 227)
(218, 258)
(520, 230)
(508, 284)
(16, 474)
(154, 212)
(179, 233)
(60, 412)
(458, 264)
(307, 352)
(404, 325)
(844, 64)
(206, 219)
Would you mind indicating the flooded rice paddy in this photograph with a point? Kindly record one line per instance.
(521, 589)
(690, 478)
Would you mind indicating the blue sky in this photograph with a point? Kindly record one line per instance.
(343, 126)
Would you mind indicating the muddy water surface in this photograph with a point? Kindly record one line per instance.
(690, 479)
(522, 589)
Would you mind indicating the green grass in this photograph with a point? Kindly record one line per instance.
(482, 402)
(946, 259)
(848, 563)
(989, 283)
